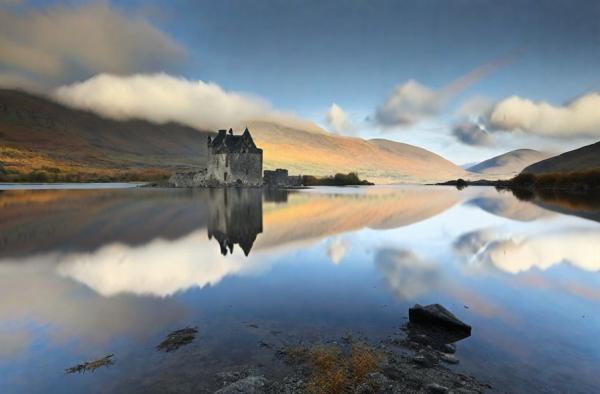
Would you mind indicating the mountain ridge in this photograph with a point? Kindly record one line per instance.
(37, 133)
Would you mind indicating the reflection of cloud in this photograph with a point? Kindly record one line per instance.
(336, 250)
(13, 342)
(406, 273)
(160, 268)
(578, 248)
(33, 293)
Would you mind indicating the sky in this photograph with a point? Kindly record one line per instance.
(467, 79)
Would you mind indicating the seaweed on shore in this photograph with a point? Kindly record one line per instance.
(91, 366)
(177, 339)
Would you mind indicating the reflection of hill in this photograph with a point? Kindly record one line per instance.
(505, 205)
(315, 215)
(82, 220)
(585, 205)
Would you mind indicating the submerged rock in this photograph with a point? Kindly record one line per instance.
(91, 366)
(177, 339)
(249, 385)
(438, 316)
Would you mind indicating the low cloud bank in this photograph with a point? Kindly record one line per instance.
(163, 98)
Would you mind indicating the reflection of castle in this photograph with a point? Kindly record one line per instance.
(235, 217)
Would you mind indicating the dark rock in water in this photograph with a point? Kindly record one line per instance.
(177, 339)
(437, 315)
(91, 366)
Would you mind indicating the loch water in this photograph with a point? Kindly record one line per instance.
(90, 272)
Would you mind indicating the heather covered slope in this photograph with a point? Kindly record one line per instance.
(510, 163)
(579, 160)
(37, 133)
(378, 160)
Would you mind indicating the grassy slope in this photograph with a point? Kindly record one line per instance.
(36, 133)
(380, 161)
(583, 159)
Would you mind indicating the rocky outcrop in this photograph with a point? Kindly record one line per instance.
(188, 179)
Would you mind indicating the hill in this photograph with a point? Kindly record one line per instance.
(37, 134)
(40, 135)
(378, 160)
(510, 163)
(579, 160)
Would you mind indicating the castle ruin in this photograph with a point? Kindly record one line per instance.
(234, 159)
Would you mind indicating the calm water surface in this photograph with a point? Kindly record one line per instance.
(84, 273)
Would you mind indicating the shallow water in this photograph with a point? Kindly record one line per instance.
(86, 273)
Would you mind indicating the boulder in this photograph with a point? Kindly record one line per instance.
(437, 316)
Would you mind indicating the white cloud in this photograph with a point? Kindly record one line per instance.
(337, 119)
(60, 42)
(162, 98)
(408, 104)
(580, 117)
(474, 107)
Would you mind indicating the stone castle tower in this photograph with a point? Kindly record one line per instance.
(234, 159)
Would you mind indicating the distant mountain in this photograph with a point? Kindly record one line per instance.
(378, 160)
(37, 133)
(510, 163)
(582, 159)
